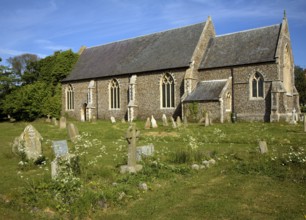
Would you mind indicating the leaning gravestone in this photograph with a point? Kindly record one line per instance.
(62, 122)
(144, 151)
(73, 132)
(132, 135)
(153, 122)
(29, 143)
(263, 147)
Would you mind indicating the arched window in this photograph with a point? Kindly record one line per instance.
(114, 94)
(69, 98)
(257, 86)
(167, 91)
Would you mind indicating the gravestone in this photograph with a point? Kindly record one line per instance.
(207, 122)
(113, 120)
(148, 124)
(153, 122)
(60, 148)
(73, 132)
(94, 119)
(144, 151)
(178, 121)
(29, 143)
(123, 121)
(173, 122)
(62, 122)
(294, 117)
(48, 119)
(165, 120)
(263, 147)
(62, 157)
(132, 135)
(54, 121)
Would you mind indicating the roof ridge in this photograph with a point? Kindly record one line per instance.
(146, 35)
(243, 31)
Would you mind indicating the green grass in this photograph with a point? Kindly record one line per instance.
(242, 185)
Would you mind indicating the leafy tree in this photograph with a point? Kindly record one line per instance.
(300, 83)
(19, 63)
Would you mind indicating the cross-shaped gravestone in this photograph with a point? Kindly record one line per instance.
(132, 135)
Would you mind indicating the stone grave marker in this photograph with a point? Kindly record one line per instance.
(73, 132)
(185, 121)
(153, 122)
(263, 147)
(54, 121)
(60, 148)
(29, 142)
(144, 151)
(113, 120)
(294, 117)
(132, 135)
(178, 121)
(148, 124)
(123, 121)
(165, 120)
(94, 119)
(173, 122)
(206, 120)
(48, 119)
(63, 122)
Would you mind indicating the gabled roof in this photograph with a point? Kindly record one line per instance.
(246, 47)
(207, 91)
(164, 50)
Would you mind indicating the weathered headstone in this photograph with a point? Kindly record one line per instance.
(207, 122)
(165, 120)
(48, 119)
(132, 135)
(173, 122)
(29, 143)
(54, 121)
(60, 148)
(113, 120)
(178, 121)
(73, 132)
(94, 119)
(148, 124)
(263, 147)
(123, 121)
(62, 122)
(294, 117)
(144, 151)
(153, 122)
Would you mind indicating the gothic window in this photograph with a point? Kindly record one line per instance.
(90, 90)
(114, 94)
(167, 91)
(69, 98)
(257, 86)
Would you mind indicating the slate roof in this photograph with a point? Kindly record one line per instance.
(246, 47)
(207, 91)
(164, 50)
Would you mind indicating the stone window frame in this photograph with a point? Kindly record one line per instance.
(114, 94)
(91, 86)
(69, 91)
(257, 78)
(167, 91)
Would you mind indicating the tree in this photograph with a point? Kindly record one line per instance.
(19, 63)
(300, 83)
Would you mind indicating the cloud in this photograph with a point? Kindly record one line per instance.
(49, 45)
(10, 52)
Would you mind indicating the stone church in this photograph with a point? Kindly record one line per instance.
(188, 71)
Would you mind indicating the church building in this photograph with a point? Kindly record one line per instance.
(186, 72)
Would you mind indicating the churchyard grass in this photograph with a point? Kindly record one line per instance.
(243, 184)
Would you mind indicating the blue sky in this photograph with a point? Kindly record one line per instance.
(44, 26)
